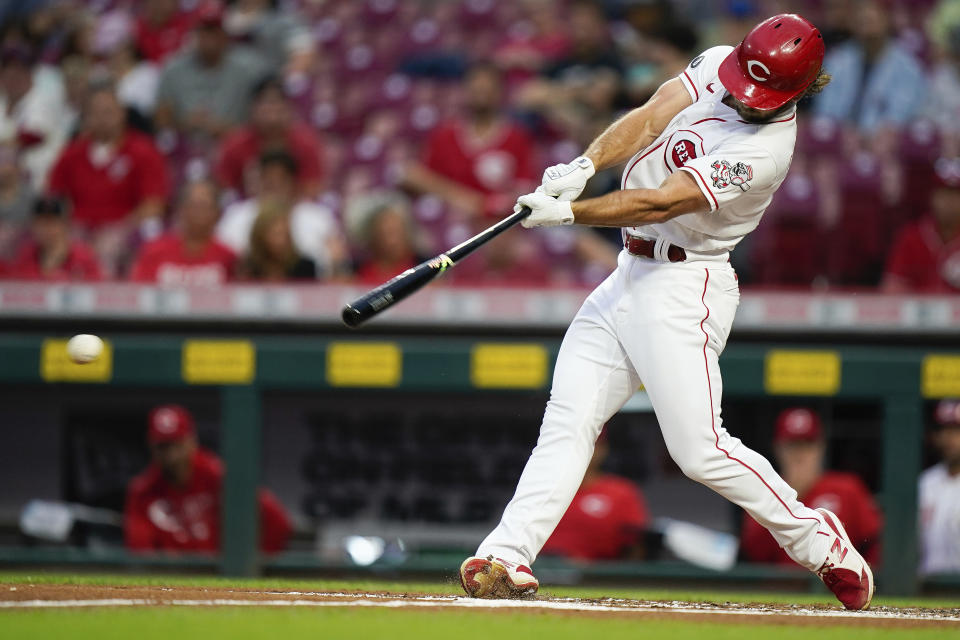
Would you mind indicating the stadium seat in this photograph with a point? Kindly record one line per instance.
(857, 241)
(819, 136)
(919, 148)
(787, 246)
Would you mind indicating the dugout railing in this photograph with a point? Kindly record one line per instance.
(901, 379)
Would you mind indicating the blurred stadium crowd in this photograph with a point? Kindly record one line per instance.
(194, 142)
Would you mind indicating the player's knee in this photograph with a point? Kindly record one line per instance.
(567, 419)
(693, 470)
(696, 465)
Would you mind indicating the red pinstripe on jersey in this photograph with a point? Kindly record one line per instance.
(706, 187)
(623, 183)
(695, 92)
(706, 364)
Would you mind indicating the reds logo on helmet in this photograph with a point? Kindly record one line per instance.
(683, 152)
(753, 71)
(726, 174)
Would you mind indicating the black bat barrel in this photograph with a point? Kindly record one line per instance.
(412, 280)
(393, 291)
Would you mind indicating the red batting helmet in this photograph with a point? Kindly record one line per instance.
(777, 61)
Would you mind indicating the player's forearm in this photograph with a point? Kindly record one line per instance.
(622, 139)
(623, 209)
(678, 195)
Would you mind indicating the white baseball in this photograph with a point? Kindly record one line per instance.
(84, 348)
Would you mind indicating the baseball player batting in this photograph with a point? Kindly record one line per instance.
(709, 150)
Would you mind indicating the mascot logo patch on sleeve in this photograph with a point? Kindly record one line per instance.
(724, 174)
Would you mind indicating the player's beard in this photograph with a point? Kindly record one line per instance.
(754, 116)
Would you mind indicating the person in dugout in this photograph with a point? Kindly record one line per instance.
(939, 499)
(800, 450)
(175, 504)
(607, 518)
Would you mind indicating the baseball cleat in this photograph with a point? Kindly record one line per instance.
(497, 578)
(844, 571)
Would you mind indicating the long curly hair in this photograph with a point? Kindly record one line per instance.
(818, 85)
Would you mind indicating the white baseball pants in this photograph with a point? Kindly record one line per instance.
(664, 324)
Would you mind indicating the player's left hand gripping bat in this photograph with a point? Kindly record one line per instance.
(411, 280)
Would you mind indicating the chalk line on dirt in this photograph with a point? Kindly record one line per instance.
(384, 601)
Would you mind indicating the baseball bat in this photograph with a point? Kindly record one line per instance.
(412, 280)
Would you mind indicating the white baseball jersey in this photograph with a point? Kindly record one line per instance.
(737, 165)
(939, 520)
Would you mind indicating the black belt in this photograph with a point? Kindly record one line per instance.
(644, 248)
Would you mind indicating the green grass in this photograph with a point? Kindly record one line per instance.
(333, 624)
(238, 623)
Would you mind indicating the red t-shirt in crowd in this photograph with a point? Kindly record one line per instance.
(157, 42)
(80, 264)
(602, 521)
(845, 495)
(109, 192)
(240, 151)
(495, 166)
(924, 261)
(166, 261)
(161, 517)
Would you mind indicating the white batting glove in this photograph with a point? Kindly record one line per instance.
(545, 211)
(566, 181)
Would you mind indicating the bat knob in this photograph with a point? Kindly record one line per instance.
(351, 317)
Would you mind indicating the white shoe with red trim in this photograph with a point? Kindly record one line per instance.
(492, 577)
(844, 570)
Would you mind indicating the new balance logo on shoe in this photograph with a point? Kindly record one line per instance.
(839, 549)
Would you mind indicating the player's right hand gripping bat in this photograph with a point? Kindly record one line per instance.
(411, 280)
